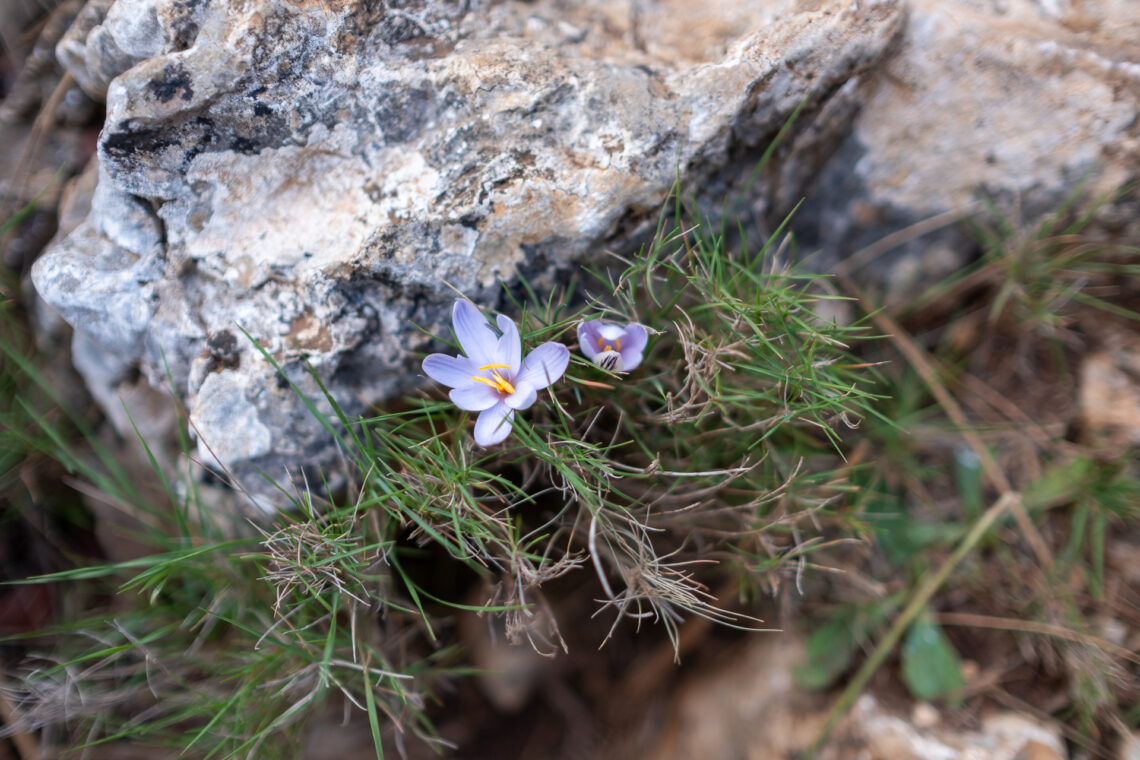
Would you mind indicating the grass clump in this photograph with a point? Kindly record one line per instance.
(996, 496)
(716, 464)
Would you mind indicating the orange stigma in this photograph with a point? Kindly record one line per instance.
(603, 346)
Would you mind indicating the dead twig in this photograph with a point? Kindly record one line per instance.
(1032, 626)
(865, 256)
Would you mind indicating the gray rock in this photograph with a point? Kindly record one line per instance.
(104, 283)
(322, 174)
(1015, 101)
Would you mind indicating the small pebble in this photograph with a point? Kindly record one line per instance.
(925, 715)
(1035, 750)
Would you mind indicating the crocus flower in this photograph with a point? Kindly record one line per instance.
(493, 378)
(613, 347)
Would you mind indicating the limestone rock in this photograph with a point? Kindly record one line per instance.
(1016, 101)
(319, 174)
(877, 732)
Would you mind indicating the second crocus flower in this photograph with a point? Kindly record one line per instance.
(613, 347)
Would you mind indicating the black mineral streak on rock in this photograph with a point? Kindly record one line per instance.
(173, 80)
(222, 347)
(124, 142)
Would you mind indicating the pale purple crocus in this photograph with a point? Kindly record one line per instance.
(493, 378)
(613, 347)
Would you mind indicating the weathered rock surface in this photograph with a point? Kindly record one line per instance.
(1018, 101)
(875, 731)
(320, 174)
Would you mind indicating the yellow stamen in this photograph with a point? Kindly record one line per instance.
(617, 342)
(601, 340)
(499, 382)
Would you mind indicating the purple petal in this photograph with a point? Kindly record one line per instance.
(509, 350)
(588, 338)
(452, 371)
(474, 397)
(633, 346)
(493, 425)
(630, 358)
(524, 396)
(474, 333)
(636, 337)
(543, 365)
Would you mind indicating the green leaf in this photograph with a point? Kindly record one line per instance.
(829, 652)
(900, 535)
(930, 664)
(831, 647)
